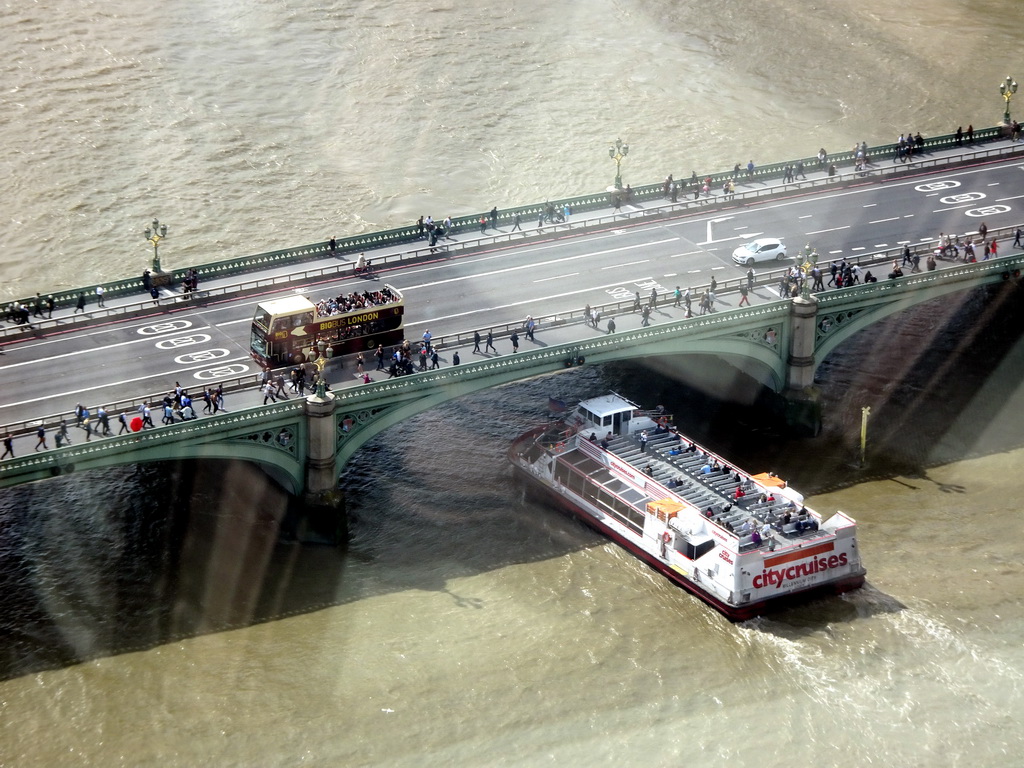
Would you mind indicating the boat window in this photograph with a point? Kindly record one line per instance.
(606, 421)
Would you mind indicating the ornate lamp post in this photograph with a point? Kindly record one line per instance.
(1006, 89)
(616, 153)
(153, 237)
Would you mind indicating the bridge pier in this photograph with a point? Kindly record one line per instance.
(803, 406)
(322, 445)
(319, 515)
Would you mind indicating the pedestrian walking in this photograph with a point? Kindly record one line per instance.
(379, 354)
(41, 434)
(8, 446)
(123, 419)
(515, 223)
(434, 360)
(677, 297)
(476, 342)
(455, 358)
(219, 397)
(645, 317)
(268, 393)
(490, 342)
(514, 338)
(994, 247)
(744, 298)
(654, 298)
(80, 306)
(1016, 238)
(99, 295)
(483, 226)
(359, 363)
(611, 325)
(750, 278)
(531, 325)
(50, 303)
(688, 301)
(494, 217)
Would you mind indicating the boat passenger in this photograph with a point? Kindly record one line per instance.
(649, 470)
(604, 443)
(593, 437)
(706, 469)
(709, 512)
(755, 538)
(739, 492)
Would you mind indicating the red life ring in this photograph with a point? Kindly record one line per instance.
(666, 537)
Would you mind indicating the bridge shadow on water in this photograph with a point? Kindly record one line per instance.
(123, 560)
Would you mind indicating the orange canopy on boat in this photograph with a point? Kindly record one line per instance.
(767, 478)
(665, 509)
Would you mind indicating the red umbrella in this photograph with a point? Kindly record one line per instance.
(136, 424)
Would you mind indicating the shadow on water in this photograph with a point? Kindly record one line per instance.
(129, 559)
(125, 560)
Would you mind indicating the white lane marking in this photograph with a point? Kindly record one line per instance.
(882, 221)
(628, 264)
(154, 375)
(183, 341)
(822, 231)
(556, 277)
(1004, 199)
(539, 300)
(688, 253)
(90, 351)
(881, 245)
(870, 205)
(533, 265)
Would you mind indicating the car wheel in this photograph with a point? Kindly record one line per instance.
(750, 261)
(781, 257)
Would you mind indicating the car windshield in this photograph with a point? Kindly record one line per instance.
(752, 247)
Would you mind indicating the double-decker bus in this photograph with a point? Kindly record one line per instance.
(290, 330)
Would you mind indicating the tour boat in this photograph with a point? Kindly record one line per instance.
(742, 543)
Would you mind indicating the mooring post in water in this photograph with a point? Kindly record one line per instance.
(864, 413)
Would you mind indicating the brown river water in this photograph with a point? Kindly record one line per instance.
(150, 614)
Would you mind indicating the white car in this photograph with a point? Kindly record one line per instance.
(762, 249)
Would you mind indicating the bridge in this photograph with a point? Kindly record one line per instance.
(304, 444)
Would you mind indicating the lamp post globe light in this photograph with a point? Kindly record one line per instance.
(616, 153)
(154, 235)
(1006, 89)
